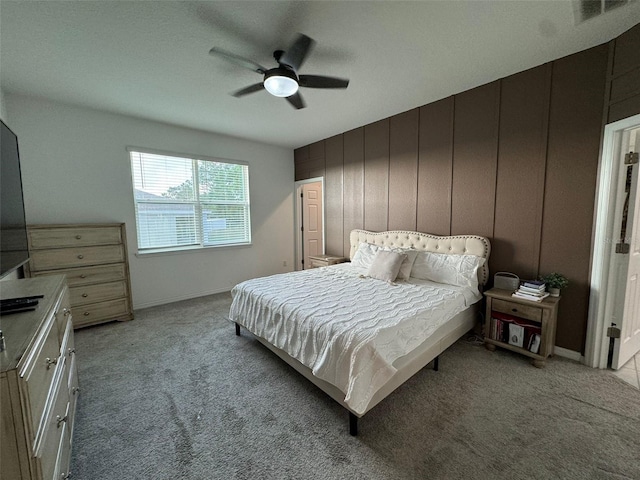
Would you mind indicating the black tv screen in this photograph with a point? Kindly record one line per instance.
(13, 230)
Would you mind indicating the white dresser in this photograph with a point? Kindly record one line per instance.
(94, 259)
(38, 382)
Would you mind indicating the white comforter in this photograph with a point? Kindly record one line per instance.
(347, 329)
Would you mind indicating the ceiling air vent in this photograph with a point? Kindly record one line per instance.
(586, 9)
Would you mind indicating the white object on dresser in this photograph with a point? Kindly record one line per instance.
(94, 259)
(38, 383)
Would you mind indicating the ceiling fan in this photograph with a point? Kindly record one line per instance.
(283, 80)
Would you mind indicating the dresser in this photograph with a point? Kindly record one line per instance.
(537, 318)
(325, 260)
(93, 257)
(38, 382)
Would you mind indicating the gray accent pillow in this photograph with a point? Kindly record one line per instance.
(386, 265)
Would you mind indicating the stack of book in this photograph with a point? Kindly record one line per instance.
(534, 290)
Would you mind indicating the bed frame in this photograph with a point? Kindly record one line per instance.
(443, 337)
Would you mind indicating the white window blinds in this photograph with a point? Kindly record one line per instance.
(185, 203)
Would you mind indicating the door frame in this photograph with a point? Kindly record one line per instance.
(602, 293)
(298, 217)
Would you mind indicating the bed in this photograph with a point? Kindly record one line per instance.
(359, 338)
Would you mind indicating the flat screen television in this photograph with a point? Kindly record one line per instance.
(13, 229)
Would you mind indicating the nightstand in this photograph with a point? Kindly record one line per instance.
(528, 318)
(325, 260)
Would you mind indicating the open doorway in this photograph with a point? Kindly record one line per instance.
(614, 308)
(309, 221)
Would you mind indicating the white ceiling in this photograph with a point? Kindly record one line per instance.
(150, 58)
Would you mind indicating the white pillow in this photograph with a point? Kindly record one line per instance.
(460, 270)
(366, 254)
(407, 264)
(386, 265)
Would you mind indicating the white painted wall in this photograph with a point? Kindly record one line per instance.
(76, 170)
(3, 109)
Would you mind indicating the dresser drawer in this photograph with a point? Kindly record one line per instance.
(39, 371)
(97, 293)
(517, 309)
(62, 312)
(48, 451)
(73, 237)
(71, 375)
(76, 257)
(88, 275)
(64, 455)
(95, 312)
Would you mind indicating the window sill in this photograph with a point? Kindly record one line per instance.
(172, 251)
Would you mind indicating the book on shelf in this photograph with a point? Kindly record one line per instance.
(533, 290)
(532, 298)
(536, 284)
(515, 331)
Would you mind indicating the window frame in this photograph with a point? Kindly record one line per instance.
(199, 205)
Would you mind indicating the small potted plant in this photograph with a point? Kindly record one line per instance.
(555, 282)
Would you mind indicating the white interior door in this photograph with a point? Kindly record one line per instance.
(628, 344)
(312, 224)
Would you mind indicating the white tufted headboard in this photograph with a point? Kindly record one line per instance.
(456, 244)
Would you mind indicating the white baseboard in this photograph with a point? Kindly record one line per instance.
(566, 353)
(179, 298)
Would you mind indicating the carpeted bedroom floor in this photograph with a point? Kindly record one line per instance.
(174, 394)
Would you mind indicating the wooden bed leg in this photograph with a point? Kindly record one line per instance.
(353, 424)
(436, 361)
(237, 329)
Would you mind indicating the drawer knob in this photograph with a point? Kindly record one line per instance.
(80, 257)
(514, 310)
(50, 361)
(78, 237)
(86, 314)
(84, 295)
(60, 420)
(83, 276)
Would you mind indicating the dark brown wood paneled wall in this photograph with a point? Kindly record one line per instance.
(575, 126)
(353, 177)
(403, 170)
(515, 160)
(522, 150)
(435, 167)
(376, 175)
(475, 157)
(624, 99)
(333, 191)
(309, 161)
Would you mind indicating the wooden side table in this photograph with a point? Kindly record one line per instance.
(325, 260)
(533, 316)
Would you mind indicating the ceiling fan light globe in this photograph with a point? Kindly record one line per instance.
(280, 86)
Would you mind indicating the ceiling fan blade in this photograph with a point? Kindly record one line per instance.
(296, 100)
(238, 60)
(319, 81)
(298, 51)
(250, 89)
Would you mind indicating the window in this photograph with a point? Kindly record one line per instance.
(186, 203)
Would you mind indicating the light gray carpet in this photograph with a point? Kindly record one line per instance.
(175, 394)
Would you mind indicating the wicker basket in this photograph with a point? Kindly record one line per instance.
(506, 281)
